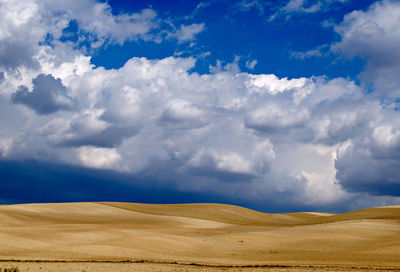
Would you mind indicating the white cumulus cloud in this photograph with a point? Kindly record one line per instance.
(374, 35)
(302, 141)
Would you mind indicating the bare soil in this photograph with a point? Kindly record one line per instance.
(195, 237)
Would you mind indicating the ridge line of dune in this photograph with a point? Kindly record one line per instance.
(109, 204)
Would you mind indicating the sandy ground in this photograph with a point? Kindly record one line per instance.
(150, 267)
(203, 234)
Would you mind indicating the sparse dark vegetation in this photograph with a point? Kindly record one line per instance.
(12, 269)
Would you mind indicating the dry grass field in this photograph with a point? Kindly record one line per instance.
(195, 237)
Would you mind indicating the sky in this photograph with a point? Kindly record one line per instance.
(278, 106)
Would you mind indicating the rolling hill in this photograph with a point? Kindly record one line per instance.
(198, 233)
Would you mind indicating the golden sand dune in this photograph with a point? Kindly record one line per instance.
(211, 234)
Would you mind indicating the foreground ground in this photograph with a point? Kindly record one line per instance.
(204, 235)
(153, 267)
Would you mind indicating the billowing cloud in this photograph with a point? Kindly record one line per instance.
(26, 25)
(308, 141)
(371, 164)
(19, 33)
(374, 35)
(98, 24)
(47, 96)
(181, 113)
(222, 133)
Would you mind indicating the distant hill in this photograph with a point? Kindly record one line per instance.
(198, 233)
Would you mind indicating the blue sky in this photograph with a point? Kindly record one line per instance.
(274, 105)
(246, 28)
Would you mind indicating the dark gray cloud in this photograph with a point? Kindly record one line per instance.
(48, 95)
(32, 182)
(2, 77)
(360, 172)
(109, 137)
(223, 176)
(344, 122)
(13, 55)
(182, 114)
(371, 165)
